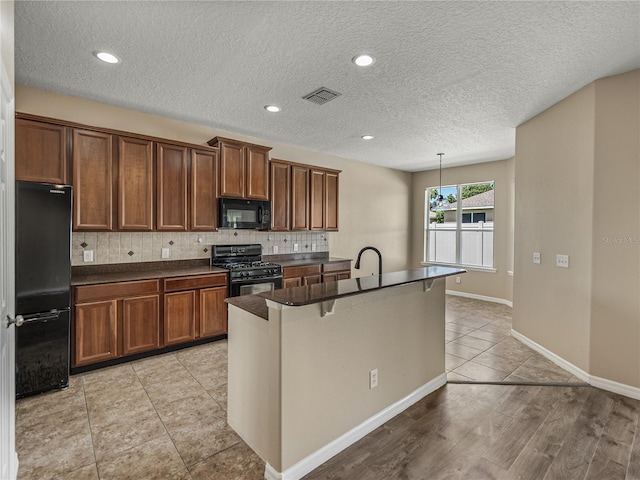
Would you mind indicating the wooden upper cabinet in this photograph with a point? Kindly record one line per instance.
(171, 185)
(257, 172)
(92, 180)
(204, 186)
(135, 184)
(280, 195)
(232, 170)
(299, 198)
(323, 199)
(41, 152)
(331, 201)
(316, 199)
(244, 169)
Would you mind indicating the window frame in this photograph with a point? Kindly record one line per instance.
(459, 229)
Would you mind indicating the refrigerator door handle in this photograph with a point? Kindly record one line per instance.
(18, 321)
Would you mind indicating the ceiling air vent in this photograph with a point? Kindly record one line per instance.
(321, 96)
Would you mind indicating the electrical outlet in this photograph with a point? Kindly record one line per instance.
(296, 247)
(275, 249)
(373, 378)
(458, 280)
(88, 255)
(314, 247)
(165, 253)
(562, 261)
(536, 258)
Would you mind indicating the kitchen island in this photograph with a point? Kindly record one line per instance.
(323, 365)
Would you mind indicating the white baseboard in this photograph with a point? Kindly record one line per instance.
(320, 456)
(598, 382)
(502, 301)
(549, 355)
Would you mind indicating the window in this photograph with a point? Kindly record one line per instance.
(463, 234)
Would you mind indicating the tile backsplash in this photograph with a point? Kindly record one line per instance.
(125, 247)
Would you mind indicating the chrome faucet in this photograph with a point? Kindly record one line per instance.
(357, 265)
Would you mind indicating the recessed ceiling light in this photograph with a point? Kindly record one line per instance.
(272, 108)
(107, 57)
(363, 60)
(367, 137)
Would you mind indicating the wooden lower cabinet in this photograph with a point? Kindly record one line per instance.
(212, 312)
(115, 320)
(140, 324)
(96, 332)
(291, 282)
(179, 317)
(332, 272)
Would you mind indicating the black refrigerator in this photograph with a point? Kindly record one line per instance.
(43, 275)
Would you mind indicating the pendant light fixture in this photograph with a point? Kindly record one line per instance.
(440, 203)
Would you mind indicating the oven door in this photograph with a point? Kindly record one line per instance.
(251, 286)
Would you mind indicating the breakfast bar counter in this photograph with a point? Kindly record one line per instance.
(332, 362)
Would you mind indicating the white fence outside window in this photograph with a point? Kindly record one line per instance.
(476, 243)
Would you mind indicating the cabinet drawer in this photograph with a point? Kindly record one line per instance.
(301, 271)
(114, 290)
(336, 266)
(195, 281)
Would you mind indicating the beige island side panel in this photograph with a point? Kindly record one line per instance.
(300, 380)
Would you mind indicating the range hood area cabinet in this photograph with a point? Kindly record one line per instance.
(122, 181)
(244, 169)
(303, 197)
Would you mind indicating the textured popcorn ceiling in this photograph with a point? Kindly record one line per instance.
(453, 77)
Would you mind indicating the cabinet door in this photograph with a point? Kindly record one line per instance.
(331, 201)
(41, 152)
(311, 279)
(232, 175)
(299, 198)
(92, 180)
(135, 184)
(171, 183)
(213, 311)
(140, 324)
(317, 200)
(257, 171)
(280, 181)
(95, 332)
(204, 185)
(179, 317)
(292, 282)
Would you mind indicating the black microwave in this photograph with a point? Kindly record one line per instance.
(238, 213)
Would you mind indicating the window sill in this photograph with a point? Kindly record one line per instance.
(472, 268)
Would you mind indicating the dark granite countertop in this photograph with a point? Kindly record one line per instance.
(254, 304)
(320, 292)
(97, 274)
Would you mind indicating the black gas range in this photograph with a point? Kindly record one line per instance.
(248, 274)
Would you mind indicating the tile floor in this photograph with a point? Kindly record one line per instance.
(165, 417)
(480, 347)
(159, 418)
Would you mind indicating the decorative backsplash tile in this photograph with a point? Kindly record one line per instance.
(125, 247)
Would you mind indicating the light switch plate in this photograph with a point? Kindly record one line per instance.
(536, 257)
(88, 255)
(562, 261)
(275, 249)
(165, 253)
(314, 247)
(296, 247)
